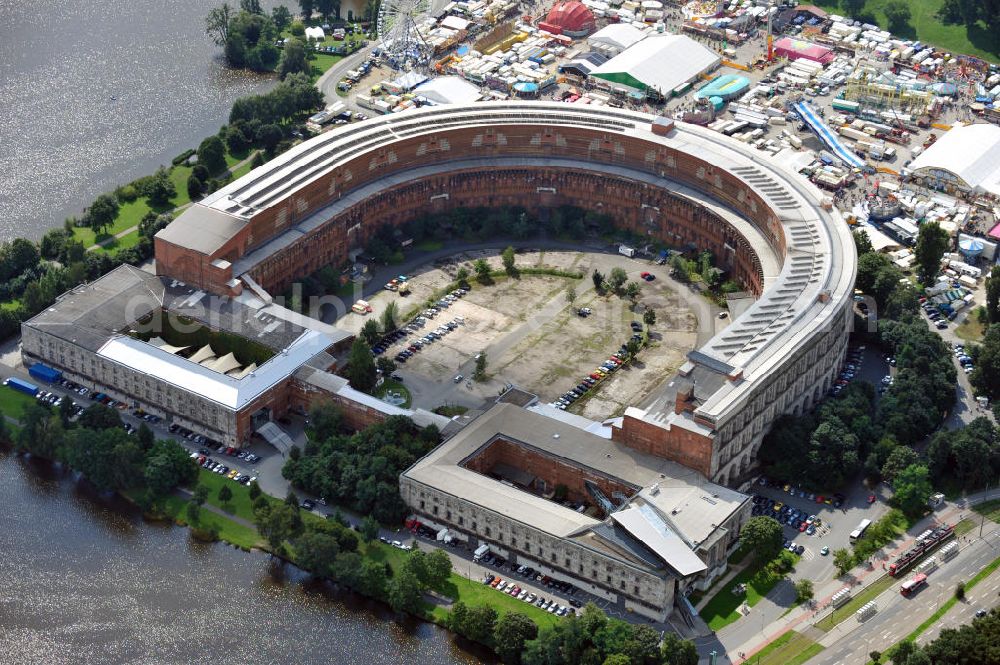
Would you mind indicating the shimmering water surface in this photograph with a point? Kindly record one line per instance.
(94, 93)
(85, 580)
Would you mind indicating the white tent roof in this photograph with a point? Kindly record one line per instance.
(617, 35)
(202, 354)
(661, 62)
(970, 152)
(315, 33)
(455, 22)
(225, 364)
(449, 90)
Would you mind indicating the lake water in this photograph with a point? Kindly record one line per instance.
(94, 93)
(85, 580)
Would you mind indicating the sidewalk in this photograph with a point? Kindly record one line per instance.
(857, 578)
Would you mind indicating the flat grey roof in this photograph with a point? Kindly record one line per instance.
(677, 491)
(202, 229)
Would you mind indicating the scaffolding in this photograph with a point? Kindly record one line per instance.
(873, 88)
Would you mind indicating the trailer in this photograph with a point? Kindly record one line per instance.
(44, 373)
(21, 386)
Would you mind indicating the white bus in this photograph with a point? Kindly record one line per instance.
(860, 531)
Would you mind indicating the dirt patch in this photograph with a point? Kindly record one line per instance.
(533, 336)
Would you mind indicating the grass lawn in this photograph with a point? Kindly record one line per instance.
(396, 387)
(12, 402)
(927, 27)
(724, 608)
(130, 240)
(991, 509)
(971, 330)
(322, 62)
(964, 526)
(229, 531)
(848, 609)
(129, 215)
(792, 647)
(429, 245)
(471, 592)
(241, 171)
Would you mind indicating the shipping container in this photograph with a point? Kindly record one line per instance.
(44, 373)
(22, 386)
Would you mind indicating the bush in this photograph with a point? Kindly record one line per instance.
(127, 193)
(183, 157)
(297, 28)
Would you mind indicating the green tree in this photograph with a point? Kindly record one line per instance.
(853, 8)
(281, 17)
(803, 590)
(282, 522)
(370, 332)
(462, 276)
(294, 58)
(438, 565)
(390, 317)
(617, 659)
(195, 187)
(843, 560)
(369, 529)
(405, 591)
(99, 416)
(212, 155)
(960, 591)
(385, 365)
(373, 580)
(649, 317)
(102, 213)
(317, 552)
(598, 278)
(193, 511)
(325, 420)
(762, 536)
(217, 24)
(145, 436)
(897, 14)
(986, 375)
(254, 491)
(617, 279)
(632, 291)
(898, 459)
(160, 188)
(677, 651)
(65, 412)
(993, 295)
(361, 366)
(167, 466)
(570, 294)
(912, 489)
(225, 494)
(307, 7)
(507, 257)
(932, 240)
(513, 630)
(480, 623)
(482, 269)
(479, 373)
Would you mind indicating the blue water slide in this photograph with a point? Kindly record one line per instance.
(827, 135)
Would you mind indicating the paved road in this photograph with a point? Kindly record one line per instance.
(837, 524)
(897, 616)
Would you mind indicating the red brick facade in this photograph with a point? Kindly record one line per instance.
(680, 445)
(588, 182)
(548, 469)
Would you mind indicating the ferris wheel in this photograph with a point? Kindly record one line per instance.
(402, 44)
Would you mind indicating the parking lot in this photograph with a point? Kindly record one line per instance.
(532, 335)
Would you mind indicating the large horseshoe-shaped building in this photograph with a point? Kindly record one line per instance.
(677, 184)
